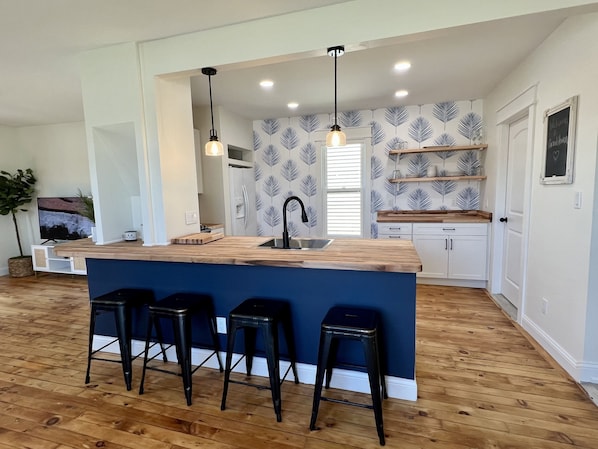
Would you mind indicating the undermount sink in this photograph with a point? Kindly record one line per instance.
(305, 244)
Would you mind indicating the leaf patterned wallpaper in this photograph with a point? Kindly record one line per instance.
(287, 162)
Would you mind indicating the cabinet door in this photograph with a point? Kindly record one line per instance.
(433, 252)
(467, 257)
(40, 257)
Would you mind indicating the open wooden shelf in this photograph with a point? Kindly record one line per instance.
(439, 148)
(439, 178)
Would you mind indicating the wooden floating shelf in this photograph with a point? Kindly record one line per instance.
(439, 148)
(439, 178)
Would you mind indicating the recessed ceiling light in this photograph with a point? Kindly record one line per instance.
(402, 66)
(266, 83)
(293, 105)
(401, 93)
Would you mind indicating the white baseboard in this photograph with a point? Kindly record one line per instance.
(397, 387)
(452, 282)
(579, 371)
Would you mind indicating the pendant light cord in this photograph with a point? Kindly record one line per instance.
(335, 114)
(211, 109)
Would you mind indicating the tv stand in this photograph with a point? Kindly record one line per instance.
(44, 259)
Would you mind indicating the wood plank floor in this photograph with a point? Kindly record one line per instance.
(482, 384)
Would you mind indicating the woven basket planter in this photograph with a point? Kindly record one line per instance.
(19, 267)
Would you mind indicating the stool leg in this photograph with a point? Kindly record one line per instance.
(214, 333)
(372, 361)
(323, 351)
(290, 339)
(160, 337)
(92, 321)
(270, 332)
(182, 335)
(250, 337)
(148, 336)
(123, 330)
(331, 360)
(230, 346)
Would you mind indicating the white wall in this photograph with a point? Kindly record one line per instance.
(559, 256)
(10, 160)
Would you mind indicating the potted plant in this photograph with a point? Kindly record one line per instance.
(16, 190)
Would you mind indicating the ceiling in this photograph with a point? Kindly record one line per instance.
(40, 41)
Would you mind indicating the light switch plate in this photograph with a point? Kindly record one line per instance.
(190, 217)
(577, 202)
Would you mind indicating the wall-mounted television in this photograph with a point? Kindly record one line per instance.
(60, 218)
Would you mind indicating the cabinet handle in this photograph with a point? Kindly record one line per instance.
(451, 244)
(394, 236)
(445, 244)
(448, 229)
(395, 229)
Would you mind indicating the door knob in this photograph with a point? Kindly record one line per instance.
(503, 219)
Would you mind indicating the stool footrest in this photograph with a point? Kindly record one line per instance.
(346, 402)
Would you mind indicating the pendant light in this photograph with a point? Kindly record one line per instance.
(213, 146)
(336, 138)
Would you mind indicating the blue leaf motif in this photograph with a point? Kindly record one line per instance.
(257, 141)
(309, 123)
(309, 186)
(394, 144)
(470, 125)
(308, 153)
(271, 187)
(271, 156)
(377, 168)
(350, 119)
(445, 140)
(418, 165)
(444, 187)
(292, 228)
(312, 217)
(395, 188)
(377, 201)
(260, 230)
(293, 205)
(289, 170)
(270, 126)
(468, 199)
(445, 111)
(272, 217)
(420, 129)
(419, 200)
(374, 229)
(396, 116)
(377, 133)
(257, 172)
(468, 163)
(289, 138)
(258, 201)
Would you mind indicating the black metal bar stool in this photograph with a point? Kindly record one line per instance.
(179, 309)
(355, 324)
(120, 303)
(266, 315)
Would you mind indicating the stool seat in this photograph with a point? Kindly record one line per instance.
(355, 324)
(179, 308)
(119, 302)
(266, 315)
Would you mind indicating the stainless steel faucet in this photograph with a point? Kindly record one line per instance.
(286, 241)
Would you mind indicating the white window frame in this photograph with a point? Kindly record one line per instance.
(355, 136)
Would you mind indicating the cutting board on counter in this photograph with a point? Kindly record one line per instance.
(200, 238)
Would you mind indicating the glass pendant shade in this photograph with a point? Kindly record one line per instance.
(213, 146)
(336, 138)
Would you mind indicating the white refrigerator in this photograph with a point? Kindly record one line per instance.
(243, 209)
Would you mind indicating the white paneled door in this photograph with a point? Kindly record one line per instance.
(512, 273)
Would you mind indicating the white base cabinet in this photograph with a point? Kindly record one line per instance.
(395, 231)
(452, 250)
(44, 259)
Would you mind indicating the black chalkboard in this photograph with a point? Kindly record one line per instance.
(559, 139)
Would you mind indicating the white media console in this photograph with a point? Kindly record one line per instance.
(44, 259)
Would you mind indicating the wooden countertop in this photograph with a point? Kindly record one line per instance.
(342, 254)
(436, 216)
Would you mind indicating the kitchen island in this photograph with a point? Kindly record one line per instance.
(379, 274)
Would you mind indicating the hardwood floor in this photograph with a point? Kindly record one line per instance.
(481, 383)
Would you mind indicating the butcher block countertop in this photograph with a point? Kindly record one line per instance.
(342, 254)
(436, 216)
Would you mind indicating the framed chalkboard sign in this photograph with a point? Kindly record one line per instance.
(559, 143)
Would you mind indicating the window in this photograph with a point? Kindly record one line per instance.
(344, 191)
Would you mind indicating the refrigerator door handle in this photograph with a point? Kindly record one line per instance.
(245, 203)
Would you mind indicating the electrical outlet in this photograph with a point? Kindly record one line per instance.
(221, 324)
(190, 217)
(544, 306)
